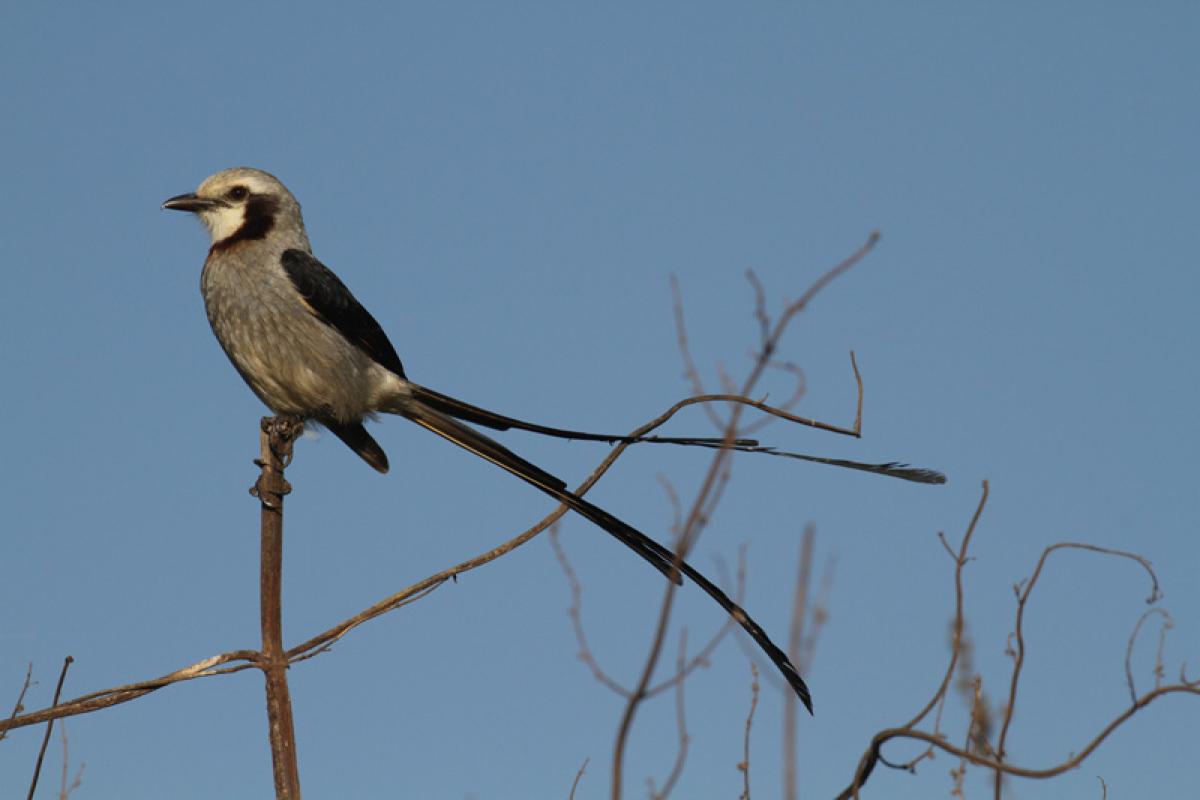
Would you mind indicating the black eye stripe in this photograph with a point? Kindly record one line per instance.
(259, 219)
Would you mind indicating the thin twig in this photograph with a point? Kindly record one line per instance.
(939, 742)
(575, 612)
(795, 637)
(975, 751)
(697, 518)
(578, 777)
(818, 617)
(1019, 631)
(1167, 623)
(709, 494)
(868, 761)
(689, 365)
(1160, 669)
(938, 699)
(19, 706)
(65, 789)
(587, 656)
(62, 732)
(960, 563)
(673, 499)
(760, 311)
(680, 723)
(37, 769)
(766, 348)
(745, 765)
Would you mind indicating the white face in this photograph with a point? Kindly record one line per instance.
(223, 221)
(232, 189)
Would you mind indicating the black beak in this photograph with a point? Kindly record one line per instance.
(189, 202)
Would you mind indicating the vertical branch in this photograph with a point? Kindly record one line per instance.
(744, 767)
(37, 769)
(795, 639)
(711, 490)
(19, 706)
(275, 443)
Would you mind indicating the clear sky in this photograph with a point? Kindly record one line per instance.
(508, 188)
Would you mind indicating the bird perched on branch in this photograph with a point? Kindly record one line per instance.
(308, 349)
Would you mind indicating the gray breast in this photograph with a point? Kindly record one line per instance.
(293, 361)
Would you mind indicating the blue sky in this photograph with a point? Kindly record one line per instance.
(509, 189)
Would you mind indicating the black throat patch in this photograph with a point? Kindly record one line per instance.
(258, 222)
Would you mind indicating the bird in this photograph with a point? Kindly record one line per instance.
(309, 349)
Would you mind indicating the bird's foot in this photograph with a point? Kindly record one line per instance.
(279, 434)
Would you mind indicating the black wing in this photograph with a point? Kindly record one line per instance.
(332, 303)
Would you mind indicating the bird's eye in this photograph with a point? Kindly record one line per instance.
(238, 193)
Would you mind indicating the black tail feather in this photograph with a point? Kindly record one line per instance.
(357, 439)
(498, 422)
(661, 558)
(458, 409)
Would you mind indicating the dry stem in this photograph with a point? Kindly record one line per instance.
(712, 488)
(992, 758)
(239, 660)
(276, 438)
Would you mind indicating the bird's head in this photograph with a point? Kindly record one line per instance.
(241, 204)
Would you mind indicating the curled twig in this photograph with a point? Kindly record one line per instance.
(1023, 593)
(939, 742)
(1167, 624)
(976, 750)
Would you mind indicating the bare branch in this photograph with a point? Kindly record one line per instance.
(1019, 634)
(760, 312)
(873, 756)
(65, 788)
(132, 691)
(744, 766)
(37, 769)
(276, 437)
(689, 366)
(705, 502)
(800, 386)
(586, 655)
(19, 706)
(795, 637)
(960, 562)
(681, 667)
(212, 666)
(578, 777)
(575, 613)
(1167, 624)
(976, 750)
(939, 742)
